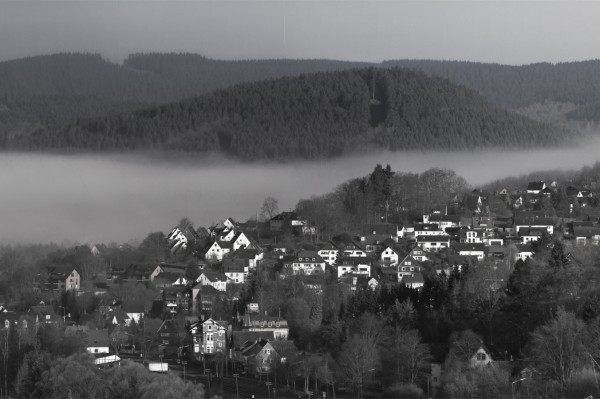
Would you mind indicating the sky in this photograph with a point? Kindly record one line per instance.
(508, 32)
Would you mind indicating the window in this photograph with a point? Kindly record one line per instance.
(220, 345)
(481, 356)
(262, 323)
(270, 324)
(276, 324)
(96, 350)
(209, 327)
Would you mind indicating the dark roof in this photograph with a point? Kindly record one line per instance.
(469, 247)
(383, 228)
(433, 238)
(240, 338)
(96, 338)
(535, 185)
(284, 348)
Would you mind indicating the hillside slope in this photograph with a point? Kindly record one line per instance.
(311, 116)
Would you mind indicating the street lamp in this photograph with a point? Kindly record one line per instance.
(268, 383)
(237, 391)
(184, 362)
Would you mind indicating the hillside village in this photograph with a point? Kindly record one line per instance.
(208, 300)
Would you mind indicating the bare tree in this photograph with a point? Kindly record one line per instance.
(269, 208)
(559, 347)
(360, 359)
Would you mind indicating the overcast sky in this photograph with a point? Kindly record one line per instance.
(511, 32)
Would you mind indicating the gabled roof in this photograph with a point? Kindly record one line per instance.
(133, 307)
(284, 348)
(240, 338)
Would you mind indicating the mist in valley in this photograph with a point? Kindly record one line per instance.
(122, 198)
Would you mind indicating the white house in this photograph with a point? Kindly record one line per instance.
(389, 256)
(329, 253)
(308, 262)
(433, 243)
(465, 249)
(217, 250)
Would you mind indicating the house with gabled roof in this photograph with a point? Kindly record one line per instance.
(351, 249)
(390, 256)
(216, 280)
(96, 341)
(389, 230)
(373, 243)
(217, 250)
(409, 266)
(178, 242)
(329, 252)
(135, 310)
(419, 254)
(428, 229)
(523, 251)
(64, 277)
(308, 262)
(214, 336)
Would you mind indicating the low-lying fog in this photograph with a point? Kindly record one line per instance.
(122, 198)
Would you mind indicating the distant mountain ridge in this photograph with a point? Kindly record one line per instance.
(309, 116)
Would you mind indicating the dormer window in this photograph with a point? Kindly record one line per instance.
(270, 324)
(276, 324)
(262, 323)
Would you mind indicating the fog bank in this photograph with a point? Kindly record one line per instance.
(122, 198)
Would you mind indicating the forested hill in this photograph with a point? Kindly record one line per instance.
(56, 89)
(310, 116)
(524, 85)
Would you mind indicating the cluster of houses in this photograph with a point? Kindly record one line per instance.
(381, 254)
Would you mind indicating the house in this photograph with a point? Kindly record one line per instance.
(373, 243)
(176, 298)
(443, 221)
(308, 262)
(480, 358)
(586, 234)
(96, 341)
(389, 256)
(416, 281)
(134, 310)
(433, 243)
(534, 222)
(329, 252)
(240, 241)
(214, 336)
(216, 280)
(235, 270)
(258, 322)
(428, 229)
(289, 220)
(465, 249)
(345, 268)
(535, 187)
(203, 297)
(408, 267)
(177, 241)
(530, 234)
(523, 252)
(64, 277)
(419, 254)
(351, 249)
(472, 236)
(217, 250)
